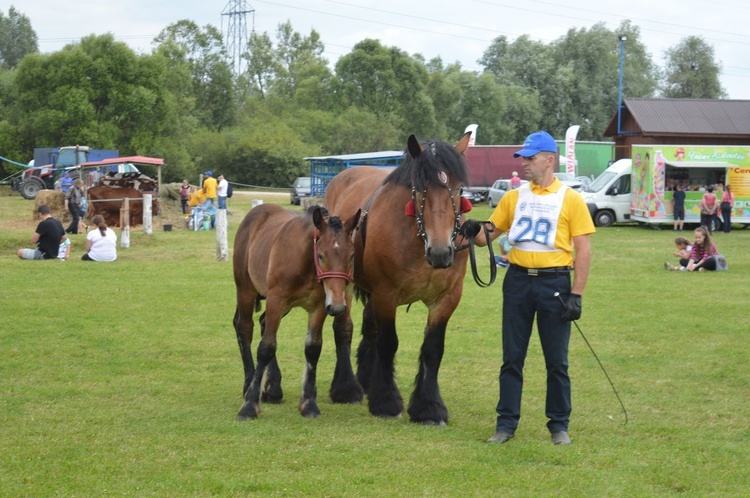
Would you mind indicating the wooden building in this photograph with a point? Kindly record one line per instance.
(679, 121)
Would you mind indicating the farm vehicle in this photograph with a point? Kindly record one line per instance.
(51, 163)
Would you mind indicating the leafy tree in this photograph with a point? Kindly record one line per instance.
(691, 71)
(204, 51)
(296, 53)
(388, 83)
(17, 38)
(262, 64)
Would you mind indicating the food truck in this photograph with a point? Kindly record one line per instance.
(658, 169)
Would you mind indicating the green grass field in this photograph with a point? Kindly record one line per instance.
(125, 379)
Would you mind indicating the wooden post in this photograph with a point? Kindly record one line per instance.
(147, 202)
(125, 223)
(222, 245)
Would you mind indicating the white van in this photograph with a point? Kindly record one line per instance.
(608, 197)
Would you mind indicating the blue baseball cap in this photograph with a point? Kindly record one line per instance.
(208, 173)
(539, 141)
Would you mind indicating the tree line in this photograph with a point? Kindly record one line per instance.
(183, 103)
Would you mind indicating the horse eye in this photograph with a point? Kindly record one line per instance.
(320, 258)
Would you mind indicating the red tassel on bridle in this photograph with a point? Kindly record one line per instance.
(410, 211)
(466, 205)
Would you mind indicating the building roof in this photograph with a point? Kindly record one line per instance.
(686, 117)
(154, 161)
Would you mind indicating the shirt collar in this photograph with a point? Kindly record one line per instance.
(553, 187)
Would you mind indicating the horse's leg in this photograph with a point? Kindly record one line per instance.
(344, 387)
(367, 353)
(266, 353)
(243, 327)
(426, 405)
(308, 404)
(271, 391)
(383, 396)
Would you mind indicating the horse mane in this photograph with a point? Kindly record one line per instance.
(423, 171)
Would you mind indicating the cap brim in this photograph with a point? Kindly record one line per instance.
(526, 153)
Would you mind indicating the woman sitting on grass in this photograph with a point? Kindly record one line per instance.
(101, 242)
(702, 255)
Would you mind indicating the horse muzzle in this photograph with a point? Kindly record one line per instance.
(439, 256)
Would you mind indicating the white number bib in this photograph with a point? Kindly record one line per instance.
(535, 221)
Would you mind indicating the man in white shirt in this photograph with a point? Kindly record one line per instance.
(222, 191)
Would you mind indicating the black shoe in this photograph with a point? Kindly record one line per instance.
(560, 438)
(500, 437)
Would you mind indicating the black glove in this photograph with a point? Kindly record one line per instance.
(470, 229)
(572, 309)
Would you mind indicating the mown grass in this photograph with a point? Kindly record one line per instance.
(124, 379)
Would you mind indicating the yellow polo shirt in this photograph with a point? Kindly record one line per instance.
(574, 220)
(210, 185)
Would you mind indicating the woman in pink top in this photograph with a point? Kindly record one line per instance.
(727, 202)
(708, 207)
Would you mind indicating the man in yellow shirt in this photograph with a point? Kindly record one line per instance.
(210, 188)
(548, 225)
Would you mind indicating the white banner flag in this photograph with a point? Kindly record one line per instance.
(473, 129)
(570, 150)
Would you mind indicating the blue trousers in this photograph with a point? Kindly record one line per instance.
(525, 297)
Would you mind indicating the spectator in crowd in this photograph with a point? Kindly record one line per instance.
(727, 203)
(48, 236)
(678, 208)
(222, 191)
(708, 207)
(73, 205)
(101, 242)
(702, 255)
(184, 195)
(210, 186)
(66, 182)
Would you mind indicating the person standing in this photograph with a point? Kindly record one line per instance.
(101, 242)
(66, 182)
(73, 205)
(678, 208)
(48, 236)
(515, 181)
(222, 191)
(209, 187)
(727, 203)
(184, 195)
(708, 208)
(549, 228)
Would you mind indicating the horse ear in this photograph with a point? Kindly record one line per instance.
(318, 218)
(352, 223)
(463, 144)
(414, 147)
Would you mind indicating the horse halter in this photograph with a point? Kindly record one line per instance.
(327, 274)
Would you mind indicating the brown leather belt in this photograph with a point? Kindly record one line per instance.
(542, 272)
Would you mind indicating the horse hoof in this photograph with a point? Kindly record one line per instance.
(309, 409)
(273, 396)
(436, 423)
(248, 411)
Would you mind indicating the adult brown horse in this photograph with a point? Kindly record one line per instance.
(293, 260)
(405, 252)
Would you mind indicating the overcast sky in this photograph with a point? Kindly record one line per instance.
(454, 30)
